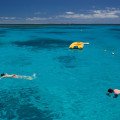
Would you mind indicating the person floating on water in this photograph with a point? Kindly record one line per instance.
(5, 75)
(116, 92)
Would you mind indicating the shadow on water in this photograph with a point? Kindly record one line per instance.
(57, 32)
(18, 104)
(1, 43)
(115, 29)
(43, 43)
(3, 33)
(117, 36)
(52, 32)
(28, 111)
(67, 61)
(22, 26)
(74, 27)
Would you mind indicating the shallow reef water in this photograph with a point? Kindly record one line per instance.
(70, 84)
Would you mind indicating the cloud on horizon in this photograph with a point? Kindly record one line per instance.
(100, 15)
(93, 14)
(36, 18)
(7, 18)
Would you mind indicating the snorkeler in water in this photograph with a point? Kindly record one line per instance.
(116, 92)
(5, 75)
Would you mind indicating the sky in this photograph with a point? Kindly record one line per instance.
(60, 11)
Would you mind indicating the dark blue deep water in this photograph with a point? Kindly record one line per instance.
(70, 84)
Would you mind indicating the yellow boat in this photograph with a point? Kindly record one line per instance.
(77, 45)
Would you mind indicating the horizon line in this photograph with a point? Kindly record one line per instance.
(59, 23)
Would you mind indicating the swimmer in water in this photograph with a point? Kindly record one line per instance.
(116, 92)
(5, 75)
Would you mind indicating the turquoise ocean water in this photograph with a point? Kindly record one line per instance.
(70, 84)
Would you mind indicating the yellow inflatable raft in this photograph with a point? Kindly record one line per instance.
(77, 45)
